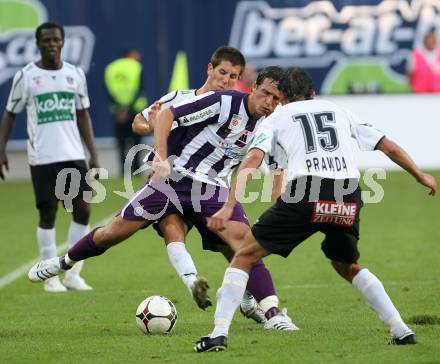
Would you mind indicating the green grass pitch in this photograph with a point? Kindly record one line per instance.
(399, 242)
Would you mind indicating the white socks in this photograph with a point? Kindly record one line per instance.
(182, 263)
(268, 302)
(229, 297)
(76, 232)
(47, 243)
(377, 298)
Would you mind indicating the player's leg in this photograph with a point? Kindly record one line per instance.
(340, 246)
(79, 227)
(377, 298)
(174, 230)
(260, 283)
(93, 244)
(231, 292)
(46, 237)
(43, 182)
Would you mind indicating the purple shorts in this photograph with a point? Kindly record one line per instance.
(158, 199)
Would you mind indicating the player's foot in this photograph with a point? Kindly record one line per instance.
(200, 293)
(54, 285)
(281, 322)
(408, 339)
(255, 313)
(45, 269)
(206, 344)
(73, 280)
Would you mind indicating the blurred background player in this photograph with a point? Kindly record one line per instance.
(247, 79)
(54, 94)
(124, 79)
(424, 66)
(308, 206)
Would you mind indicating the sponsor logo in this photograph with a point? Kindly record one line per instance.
(17, 38)
(340, 41)
(198, 116)
(55, 106)
(332, 212)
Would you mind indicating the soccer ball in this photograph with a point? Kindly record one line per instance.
(156, 315)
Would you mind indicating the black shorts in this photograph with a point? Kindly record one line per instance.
(286, 224)
(44, 178)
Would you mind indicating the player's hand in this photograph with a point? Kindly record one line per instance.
(154, 110)
(161, 168)
(93, 163)
(219, 219)
(429, 181)
(3, 162)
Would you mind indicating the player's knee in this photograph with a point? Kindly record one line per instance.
(172, 232)
(48, 212)
(81, 212)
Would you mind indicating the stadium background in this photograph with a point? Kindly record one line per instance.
(347, 47)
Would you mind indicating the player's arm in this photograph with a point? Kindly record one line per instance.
(86, 132)
(398, 155)
(6, 127)
(144, 125)
(163, 124)
(247, 167)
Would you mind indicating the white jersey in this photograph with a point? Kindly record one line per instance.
(315, 138)
(51, 98)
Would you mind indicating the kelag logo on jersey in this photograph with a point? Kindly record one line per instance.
(339, 47)
(18, 20)
(55, 106)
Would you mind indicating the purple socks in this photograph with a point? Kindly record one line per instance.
(260, 283)
(85, 248)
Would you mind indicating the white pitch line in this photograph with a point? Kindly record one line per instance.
(20, 271)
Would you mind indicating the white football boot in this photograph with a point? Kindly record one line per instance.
(45, 269)
(54, 285)
(281, 322)
(252, 310)
(73, 280)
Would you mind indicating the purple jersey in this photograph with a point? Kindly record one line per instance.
(213, 136)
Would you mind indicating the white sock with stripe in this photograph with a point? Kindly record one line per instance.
(229, 297)
(377, 298)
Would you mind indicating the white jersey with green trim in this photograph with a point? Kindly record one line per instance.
(315, 137)
(51, 98)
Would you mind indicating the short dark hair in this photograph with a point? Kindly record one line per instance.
(226, 53)
(296, 84)
(274, 72)
(48, 25)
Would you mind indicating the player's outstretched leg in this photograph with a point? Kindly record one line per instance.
(84, 248)
(93, 244)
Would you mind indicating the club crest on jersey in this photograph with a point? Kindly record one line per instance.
(69, 80)
(235, 122)
(336, 213)
(37, 80)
